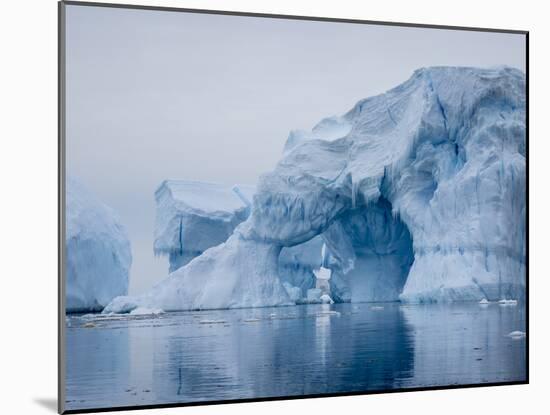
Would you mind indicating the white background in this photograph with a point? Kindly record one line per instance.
(28, 200)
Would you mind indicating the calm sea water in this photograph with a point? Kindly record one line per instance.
(286, 351)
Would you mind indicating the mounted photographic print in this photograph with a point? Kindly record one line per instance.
(258, 207)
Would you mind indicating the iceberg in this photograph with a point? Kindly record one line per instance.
(193, 216)
(98, 255)
(418, 194)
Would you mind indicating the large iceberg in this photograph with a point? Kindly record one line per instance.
(418, 193)
(98, 256)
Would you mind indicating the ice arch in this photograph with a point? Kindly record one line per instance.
(446, 149)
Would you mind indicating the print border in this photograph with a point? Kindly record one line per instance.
(61, 202)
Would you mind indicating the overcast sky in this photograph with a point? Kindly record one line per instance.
(153, 95)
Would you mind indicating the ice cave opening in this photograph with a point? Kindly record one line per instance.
(382, 254)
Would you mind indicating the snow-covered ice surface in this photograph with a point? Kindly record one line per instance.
(434, 169)
(98, 251)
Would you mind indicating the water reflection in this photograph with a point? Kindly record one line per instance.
(314, 349)
(465, 344)
(95, 361)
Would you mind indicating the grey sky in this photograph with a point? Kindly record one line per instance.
(154, 95)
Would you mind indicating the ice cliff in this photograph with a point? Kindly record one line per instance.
(418, 193)
(98, 256)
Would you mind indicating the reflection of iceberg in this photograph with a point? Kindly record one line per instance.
(260, 359)
(460, 344)
(418, 193)
(90, 354)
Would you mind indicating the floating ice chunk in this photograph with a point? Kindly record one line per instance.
(517, 334)
(484, 301)
(252, 320)
(325, 299)
(328, 313)
(141, 311)
(212, 322)
(376, 308)
(505, 302)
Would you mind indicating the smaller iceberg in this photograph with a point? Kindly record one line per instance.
(193, 216)
(98, 256)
